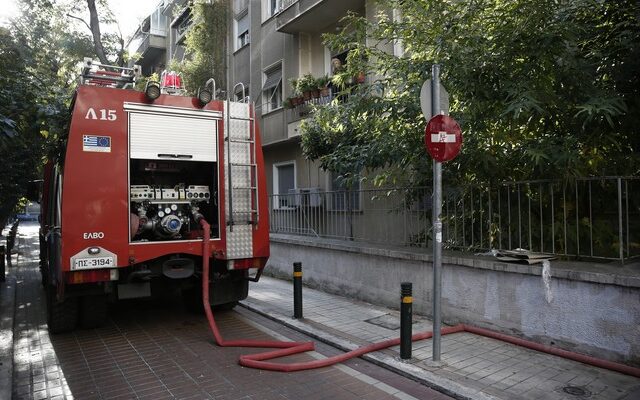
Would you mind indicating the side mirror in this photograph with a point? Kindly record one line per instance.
(34, 190)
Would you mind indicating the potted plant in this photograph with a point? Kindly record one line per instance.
(296, 95)
(307, 85)
(323, 86)
(287, 103)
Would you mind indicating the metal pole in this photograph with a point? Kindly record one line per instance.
(437, 223)
(297, 290)
(2, 264)
(620, 234)
(405, 319)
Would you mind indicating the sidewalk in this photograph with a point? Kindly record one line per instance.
(473, 367)
(7, 301)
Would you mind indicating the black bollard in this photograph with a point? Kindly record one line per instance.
(405, 320)
(297, 290)
(2, 270)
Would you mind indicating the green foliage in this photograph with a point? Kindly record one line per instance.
(21, 116)
(141, 82)
(542, 89)
(206, 46)
(322, 82)
(39, 59)
(295, 91)
(307, 83)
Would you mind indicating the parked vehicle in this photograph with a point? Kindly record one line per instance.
(26, 217)
(121, 204)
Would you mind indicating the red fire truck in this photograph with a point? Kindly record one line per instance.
(122, 201)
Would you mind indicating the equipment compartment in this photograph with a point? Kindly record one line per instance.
(165, 195)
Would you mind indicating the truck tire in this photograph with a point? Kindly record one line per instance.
(93, 311)
(62, 316)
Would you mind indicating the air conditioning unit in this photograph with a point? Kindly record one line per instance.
(306, 197)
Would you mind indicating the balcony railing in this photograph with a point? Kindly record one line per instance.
(295, 16)
(301, 110)
(587, 218)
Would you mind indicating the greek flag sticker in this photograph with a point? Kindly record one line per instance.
(101, 144)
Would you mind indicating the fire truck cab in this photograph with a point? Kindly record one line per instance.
(121, 201)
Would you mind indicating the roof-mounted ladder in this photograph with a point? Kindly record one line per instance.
(97, 74)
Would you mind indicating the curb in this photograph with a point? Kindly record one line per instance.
(394, 364)
(7, 314)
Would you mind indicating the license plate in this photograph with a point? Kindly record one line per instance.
(95, 262)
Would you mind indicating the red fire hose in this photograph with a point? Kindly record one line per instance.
(285, 348)
(289, 348)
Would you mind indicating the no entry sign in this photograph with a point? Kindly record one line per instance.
(443, 138)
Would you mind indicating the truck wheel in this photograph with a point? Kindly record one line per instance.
(61, 316)
(93, 311)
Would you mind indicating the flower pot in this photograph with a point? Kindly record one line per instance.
(324, 92)
(306, 95)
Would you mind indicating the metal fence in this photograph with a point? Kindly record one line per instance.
(584, 217)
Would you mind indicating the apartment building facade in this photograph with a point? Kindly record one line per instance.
(160, 36)
(270, 43)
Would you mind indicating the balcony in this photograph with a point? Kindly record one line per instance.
(150, 42)
(151, 49)
(151, 45)
(313, 16)
(301, 109)
(182, 24)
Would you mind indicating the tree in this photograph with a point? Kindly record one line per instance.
(20, 138)
(206, 49)
(114, 42)
(38, 70)
(541, 88)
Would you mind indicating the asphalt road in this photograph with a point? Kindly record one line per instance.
(153, 349)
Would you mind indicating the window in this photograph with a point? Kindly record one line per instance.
(158, 23)
(270, 8)
(274, 6)
(272, 89)
(242, 30)
(338, 62)
(284, 184)
(344, 198)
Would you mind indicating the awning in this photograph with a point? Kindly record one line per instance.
(272, 81)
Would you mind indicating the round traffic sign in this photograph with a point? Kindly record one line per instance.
(443, 138)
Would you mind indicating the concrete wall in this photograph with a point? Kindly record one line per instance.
(594, 311)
